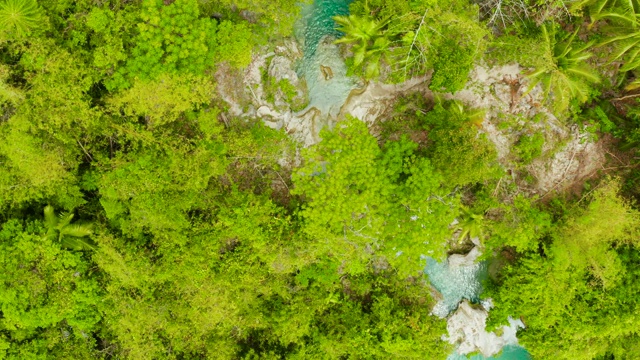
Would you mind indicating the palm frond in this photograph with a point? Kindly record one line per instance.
(50, 218)
(75, 243)
(634, 85)
(19, 17)
(76, 230)
(622, 47)
(65, 219)
(614, 16)
(585, 72)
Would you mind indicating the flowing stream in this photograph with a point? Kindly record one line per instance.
(459, 281)
(322, 65)
(329, 87)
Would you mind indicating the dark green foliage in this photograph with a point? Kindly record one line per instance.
(69, 235)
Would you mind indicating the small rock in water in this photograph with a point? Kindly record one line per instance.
(326, 72)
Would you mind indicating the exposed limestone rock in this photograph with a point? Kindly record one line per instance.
(281, 67)
(579, 159)
(499, 90)
(466, 328)
(369, 103)
(457, 260)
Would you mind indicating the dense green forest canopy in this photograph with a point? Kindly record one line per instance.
(139, 220)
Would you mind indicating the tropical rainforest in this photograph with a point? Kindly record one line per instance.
(141, 219)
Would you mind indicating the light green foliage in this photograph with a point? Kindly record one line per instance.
(164, 99)
(359, 197)
(568, 76)
(9, 95)
(32, 168)
(575, 300)
(43, 289)
(234, 44)
(202, 244)
(344, 168)
(370, 42)
(521, 226)
(451, 68)
(19, 17)
(457, 150)
(58, 84)
(172, 38)
(529, 147)
(586, 241)
(40, 142)
(527, 48)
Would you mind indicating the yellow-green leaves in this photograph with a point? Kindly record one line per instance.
(172, 39)
(19, 17)
(361, 200)
(569, 76)
(234, 44)
(587, 241)
(163, 100)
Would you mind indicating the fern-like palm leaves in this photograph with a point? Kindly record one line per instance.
(623, 27)
(369, 40)
(470, 224)
(70, 235)
(568, 75)
(19, 17)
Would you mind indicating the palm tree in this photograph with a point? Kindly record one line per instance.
(623, 19)
(370, 41)
(69, 235)
(470, 224)
(567, 74)
(19, 17)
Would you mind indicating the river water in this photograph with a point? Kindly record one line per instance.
(328, 91)
(316, 31)
(460, 278)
